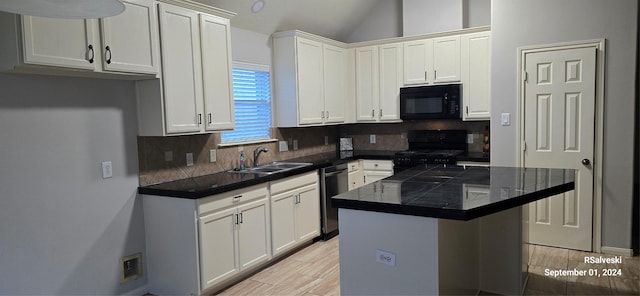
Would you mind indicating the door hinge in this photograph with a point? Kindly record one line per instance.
(524, 146)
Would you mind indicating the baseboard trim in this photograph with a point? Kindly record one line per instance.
(617, 251)
(137, 291)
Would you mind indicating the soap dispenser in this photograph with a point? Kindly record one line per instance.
(242, 165)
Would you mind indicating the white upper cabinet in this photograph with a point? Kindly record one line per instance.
(123, 44)
(476, 76)
(418, 61)
(378, 82)
(195, 92)
(216, 72)
(446, 59)
(430, 61)
(129, 40)
(59, 42)
(310, 80)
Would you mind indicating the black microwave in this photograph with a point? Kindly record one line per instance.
(430, 102)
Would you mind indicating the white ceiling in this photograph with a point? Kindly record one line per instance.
(333, 19)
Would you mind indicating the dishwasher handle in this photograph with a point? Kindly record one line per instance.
(334, 173)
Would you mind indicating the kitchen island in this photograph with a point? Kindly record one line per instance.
(441, 230)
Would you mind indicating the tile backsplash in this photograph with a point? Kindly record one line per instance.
(154, 168)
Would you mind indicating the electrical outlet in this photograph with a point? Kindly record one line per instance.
(326, 140)
(386, 258)
(213, 155)
(168, 156)
(372, 139)
(295, 144)
(283, 146)
(107, 170)
(469, 138)
(189, 159)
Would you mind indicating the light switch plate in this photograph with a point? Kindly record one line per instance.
(372, 139)
(189, 159)
(506, 119)
(107, 169)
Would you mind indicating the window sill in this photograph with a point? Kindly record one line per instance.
(250, 142)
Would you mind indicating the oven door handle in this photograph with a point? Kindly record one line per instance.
(334, 173)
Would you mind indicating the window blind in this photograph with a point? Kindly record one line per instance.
(252, 103)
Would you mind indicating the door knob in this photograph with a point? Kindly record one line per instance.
(586, 161)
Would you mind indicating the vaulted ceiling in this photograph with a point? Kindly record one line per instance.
(334, 19)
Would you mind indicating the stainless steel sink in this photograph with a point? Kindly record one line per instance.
(272, 168)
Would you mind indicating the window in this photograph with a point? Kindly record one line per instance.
(252, 103)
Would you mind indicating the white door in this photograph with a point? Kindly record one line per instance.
(335, 83)
(59, 42)
(307, 212)
(216, 73)
(367, 95)
(218, 244)
(559, 133)
(130, 39)
(446, 59)
(310, 97)
(253, 233)
(391, 64)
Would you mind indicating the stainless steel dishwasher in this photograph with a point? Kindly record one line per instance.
(333, 181)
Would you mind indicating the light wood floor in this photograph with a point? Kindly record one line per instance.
(314, 270)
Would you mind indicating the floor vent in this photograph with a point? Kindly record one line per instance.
(130, 268)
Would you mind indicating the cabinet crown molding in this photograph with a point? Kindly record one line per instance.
(190, 4)
(298, 33)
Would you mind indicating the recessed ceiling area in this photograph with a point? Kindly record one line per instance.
(334, 19)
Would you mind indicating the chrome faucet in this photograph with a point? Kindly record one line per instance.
(256, 154)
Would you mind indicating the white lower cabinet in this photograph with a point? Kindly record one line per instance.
(354, 176)
(295, 211)
(234, 239)
(374, 170)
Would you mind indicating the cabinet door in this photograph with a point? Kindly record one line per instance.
(355, 179)
(216, 72)
(253, 233)
(417, 61)
(476, 76)
(308, 213)
(59, 42)
(218, 241)
(283, 235)
(446, 59)
(367, 95)
(391, 63)
(335, 83)
(181, 69)
(310, 87)
(372, 176)
(130, 39)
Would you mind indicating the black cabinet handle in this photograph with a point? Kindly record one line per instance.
(199, 118)
(107, 52)
(210, 118)
(241, 218)
(92, 54)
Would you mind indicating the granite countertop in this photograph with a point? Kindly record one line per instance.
(455, 192)
(203, 186)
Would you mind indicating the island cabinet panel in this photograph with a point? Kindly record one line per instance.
(295, 206)
(121, 46)
(310, 79)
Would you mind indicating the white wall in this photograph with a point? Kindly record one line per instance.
(384, 21)
(531, 22)
(250, 47)
(430, 16)
(63, 229)
(476, 13)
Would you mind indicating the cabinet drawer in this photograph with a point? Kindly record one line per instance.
(294, 182)
(377, 165)
(353, 166)
(231, 198)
